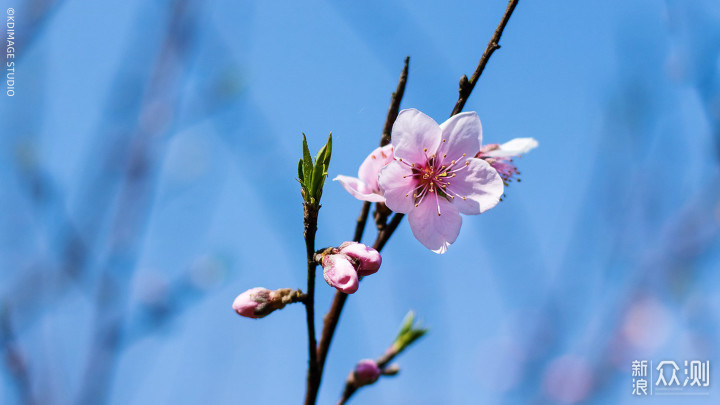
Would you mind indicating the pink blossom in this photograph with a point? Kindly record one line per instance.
(366, 372)
(365, 186)
(248, 303)
(368, 260)
(500, 156)
(435, 176)
(340, 273)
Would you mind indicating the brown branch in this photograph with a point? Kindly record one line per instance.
(395, 104)
(361, 221)
(331, 319)
(386, 231)
(314, 373)
(351, 384)
(467, 86)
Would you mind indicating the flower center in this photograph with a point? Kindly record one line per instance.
(434, 178)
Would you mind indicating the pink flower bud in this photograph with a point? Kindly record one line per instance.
(366, 372)
(248, 303)
(340, 273)
(368, 259)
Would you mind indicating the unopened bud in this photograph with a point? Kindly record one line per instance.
(366, 372)
(368, 260)
(340, 273)
(247, 303)
(259, 302)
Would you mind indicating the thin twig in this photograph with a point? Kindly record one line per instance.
(332, 317)
(314, 374)
(386, 231)
(395, 104)
(351, 385)
(361, 221)
(466, 87)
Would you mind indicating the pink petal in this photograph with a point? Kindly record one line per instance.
(435, 232)
(339, 272)
(397, 186)
(368, 259)
(480, 184)
(462, 134)
(412, 133)
(366, 372)
(370, 168)
(514, 147)
(358, 189)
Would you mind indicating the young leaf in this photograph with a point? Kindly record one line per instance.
(307, 166)
(301, 177)
(328, 152)
(320, 171)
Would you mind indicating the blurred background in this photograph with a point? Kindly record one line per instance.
(147, 177)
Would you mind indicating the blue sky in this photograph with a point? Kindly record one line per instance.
(620, 96)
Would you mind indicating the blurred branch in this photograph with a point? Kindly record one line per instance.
(134, 200)
(14, 358)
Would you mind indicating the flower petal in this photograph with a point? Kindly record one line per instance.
(397, 185)
(358, 189)
(515, 147)
(412, 133)
(370, 168)
(339, 272)
(480, 184)
(435, 232)
(462, 134)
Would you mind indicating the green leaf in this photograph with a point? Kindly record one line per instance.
(320, 171)
(301, 177)
(328, 152)
(409, 332)
(407, 324)
(320, 157)
(307, 166)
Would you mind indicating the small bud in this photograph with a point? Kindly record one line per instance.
(248, 303)
(368, 260)
(259, 302)
(340, 273)
(366, 372)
